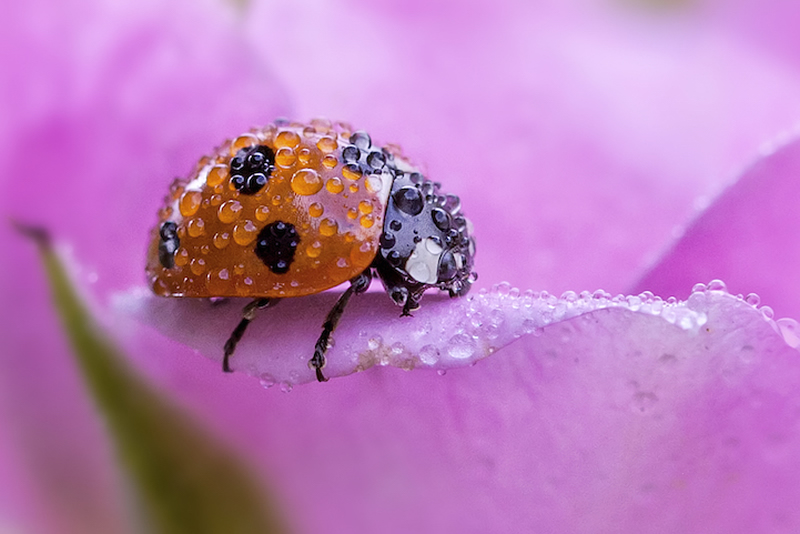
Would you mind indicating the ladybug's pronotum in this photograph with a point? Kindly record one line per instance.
(293, 209)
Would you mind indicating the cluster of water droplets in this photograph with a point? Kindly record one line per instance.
(477, 326)
(469, 329)
(788, 328)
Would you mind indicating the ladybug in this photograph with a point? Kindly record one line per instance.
(293, 209)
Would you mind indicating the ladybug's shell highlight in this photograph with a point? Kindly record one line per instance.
(242, 225)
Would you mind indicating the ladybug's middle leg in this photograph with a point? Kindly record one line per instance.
(358, 285)
(248, 314)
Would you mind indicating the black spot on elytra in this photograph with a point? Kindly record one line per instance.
(276, 245)
(169, 244)
(251, 168)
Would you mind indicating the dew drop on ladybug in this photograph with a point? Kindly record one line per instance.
(293, 209)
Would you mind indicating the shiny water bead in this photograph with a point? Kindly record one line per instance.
(306, 182)
(328, 227)
(314, 249)
(334, 185)
(330, 161)
(365, 207)
(287, 138)
(222, 239)
(245, 233)
(217, 175)
(285, 157)
(196, 227)
(373, 183)
(327, 145)
(316, 209)
(243, 141)
(367, 221)
(198, 266)
(351, 171)
(230, 211)
(304, 156)
(190, 203)
(262, 213)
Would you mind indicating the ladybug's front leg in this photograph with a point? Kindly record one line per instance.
(358, 285)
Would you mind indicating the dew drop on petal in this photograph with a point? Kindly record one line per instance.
(429, 355)
(461, 347)
(716, 285)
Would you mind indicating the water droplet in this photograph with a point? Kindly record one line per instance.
(287, 138)
(361, 139)
(330, 161)
(327, 144)
(502, 289)
(767, 312)
(365, 207)
(351, 171)
(314, 249)
(367, 221)
(286, 387)
(374, 342)
(334, 185)
(306, 182)
(230, 211)
(328, 227)
(222, 239)
(753, 300)
(218, 282)
(196, 227)
(717, 285)
(428, 355)
(569, 296)
(790, 330)
(190, 203)
(441, 372)
(373, 183)
(285, 157)
(316, 209)
(433, 246)
(198, 266)
(245, 233)
(461, 347)
(217, 175)
(304, 156)
(699, 288)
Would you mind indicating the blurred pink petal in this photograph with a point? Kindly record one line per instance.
(748, 237)
(102, 103)
(578, 139)
(578, 134)
(612, 421)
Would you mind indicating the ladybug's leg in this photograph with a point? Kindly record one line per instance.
(248, 314)
(359, 284)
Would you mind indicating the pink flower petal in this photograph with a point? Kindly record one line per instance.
(748, 237)
(443, 334)
(638, 415)
(102, 104)
(578, 137)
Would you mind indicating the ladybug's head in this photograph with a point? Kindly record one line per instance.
(426, 240)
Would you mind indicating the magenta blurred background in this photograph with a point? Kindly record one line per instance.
(583, 136)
